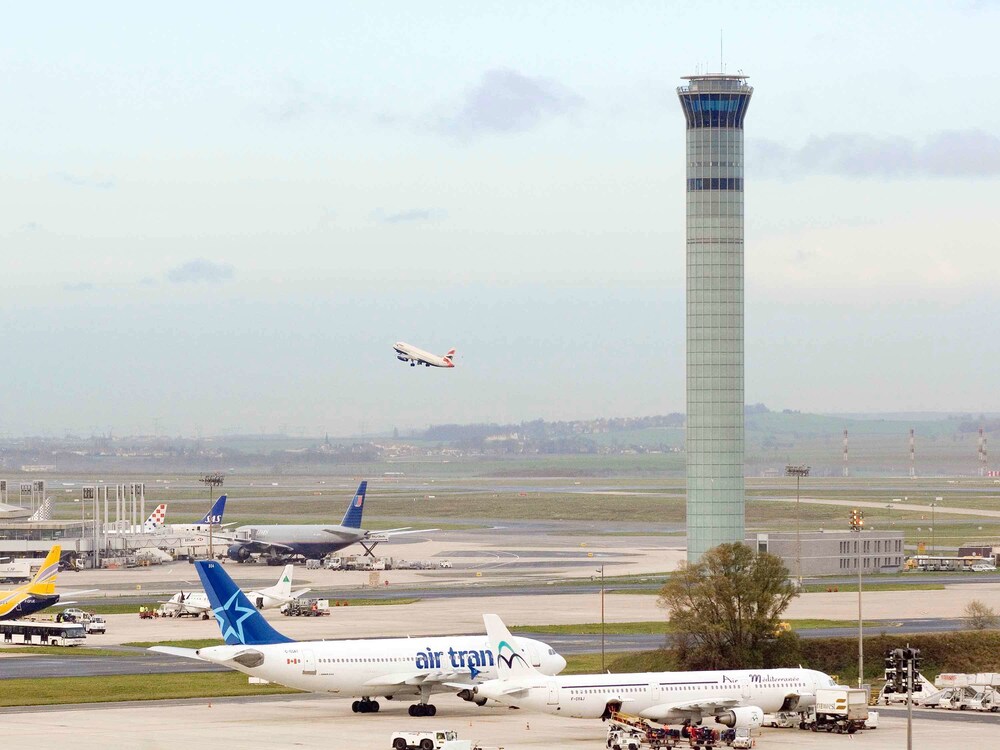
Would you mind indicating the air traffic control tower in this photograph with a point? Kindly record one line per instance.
(714, 107)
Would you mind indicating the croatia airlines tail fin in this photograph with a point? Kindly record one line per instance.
(214, 515)
(44, 581)
(513, 660)
(352, 518)
(239, 620)
(156, 518)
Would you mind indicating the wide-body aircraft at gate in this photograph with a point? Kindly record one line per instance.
(311, 541)
(389, 667)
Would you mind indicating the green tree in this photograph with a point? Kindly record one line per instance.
(726, 609)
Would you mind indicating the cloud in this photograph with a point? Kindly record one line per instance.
(505, 101)
(950, 153)
(83, 182)
(290, 100)
(30, 226)
(196, 271)
(410, 215)
(79, 286)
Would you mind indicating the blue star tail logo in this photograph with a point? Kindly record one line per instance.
(230, 617)
(473, 672)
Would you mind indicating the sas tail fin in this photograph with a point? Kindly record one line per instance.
(157, 518)
(214, 515)
(352, 518)
(239, 620)
(44, 581)
(512, 658)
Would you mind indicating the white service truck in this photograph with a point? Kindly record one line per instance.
(439, 739)
(837, 709)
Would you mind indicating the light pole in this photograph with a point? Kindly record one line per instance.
(212, 481)
(889, 506)
(934, 505)
(601, 571)
(857, 524)
(798, 472)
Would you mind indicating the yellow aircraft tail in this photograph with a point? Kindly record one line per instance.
(44, 581)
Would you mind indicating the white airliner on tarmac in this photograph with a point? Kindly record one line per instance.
(407, 353)
(735, 698)
(196, 603)
(362, 668)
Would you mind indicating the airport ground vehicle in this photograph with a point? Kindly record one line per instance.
(743, 738)
(987, 699)
(623, 738)
(872, 721)
(958, 698)
(74, 614)
(837, 709)
(95, 624)
(423, 740)
(43, 633)
(306, 608)
(781, 719)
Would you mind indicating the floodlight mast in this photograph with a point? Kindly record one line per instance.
(798, 472)
(212, 481)
(858, 524)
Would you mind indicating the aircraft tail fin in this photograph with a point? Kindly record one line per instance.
(512, 658)
(449, 357)
(214, 515)
(44, 581)
(157, 518)
(44, 512)
(239, 620)
(352, 518)
(283, 588)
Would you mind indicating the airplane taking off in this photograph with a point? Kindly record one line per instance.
(196, 602)
(415, 356)
(389, 667)
(312, 541)
(735, 698)
(36, 594)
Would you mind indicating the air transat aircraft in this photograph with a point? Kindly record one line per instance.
(311, 541)
(196, 602)
(36, 594)
(735, 698)
(415, 356)
(365, 669)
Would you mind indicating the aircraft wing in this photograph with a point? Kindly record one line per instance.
(257, 546)
(297, 594)
(416, 678)
(75, 593)
(687, 709)
(187, 653)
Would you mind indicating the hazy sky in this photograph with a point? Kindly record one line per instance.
(220, 217)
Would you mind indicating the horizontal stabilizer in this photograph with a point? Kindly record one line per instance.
(187, 653)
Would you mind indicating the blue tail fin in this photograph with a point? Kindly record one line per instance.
(239, 620)
(352, 517)
(214, 516)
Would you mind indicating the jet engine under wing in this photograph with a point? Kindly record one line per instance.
(694, 710)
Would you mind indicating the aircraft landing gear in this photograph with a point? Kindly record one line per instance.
(422, 709)
(365, 706)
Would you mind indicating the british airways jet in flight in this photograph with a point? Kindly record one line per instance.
(407, 353)
(389, 667)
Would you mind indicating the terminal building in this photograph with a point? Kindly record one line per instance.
(714, 109)
(830, 553)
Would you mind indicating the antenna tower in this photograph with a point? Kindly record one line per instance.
(847, 472)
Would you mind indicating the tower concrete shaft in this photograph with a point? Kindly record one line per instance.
(714, 107)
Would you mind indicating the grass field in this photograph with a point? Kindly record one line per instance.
(658, 627)
(115, 688)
